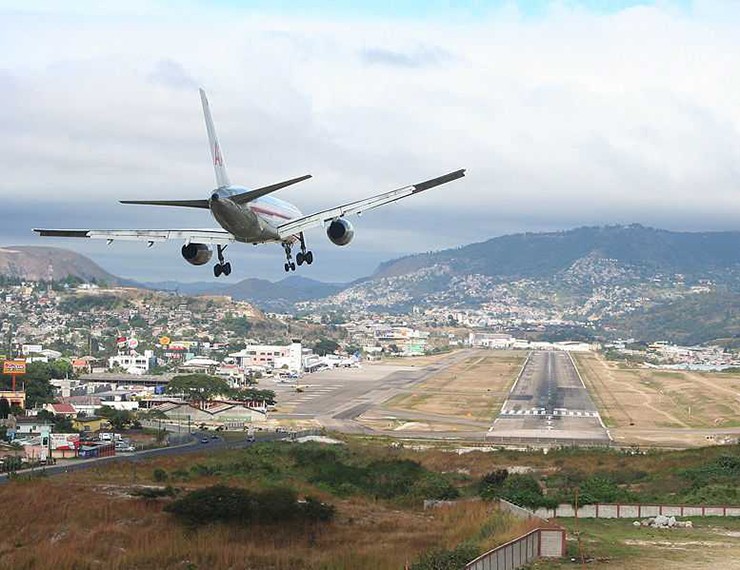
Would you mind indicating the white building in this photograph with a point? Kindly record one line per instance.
(133, 363)
(270, 356)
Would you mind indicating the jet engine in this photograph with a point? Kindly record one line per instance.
(340, 232)
(196, 253)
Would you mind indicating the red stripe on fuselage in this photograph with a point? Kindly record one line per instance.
(262, 210)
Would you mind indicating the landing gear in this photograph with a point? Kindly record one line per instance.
(289, 265)
(222, 267)
(303, 256)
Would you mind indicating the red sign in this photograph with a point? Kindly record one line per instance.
(14, 367)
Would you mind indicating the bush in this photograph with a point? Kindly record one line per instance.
(159, 475)
(490, 484)
(600, 490)
(442, 559)
(222, 504)
(523, 490)
(154, 493)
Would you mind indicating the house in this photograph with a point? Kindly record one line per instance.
(89, 423)
(61, 409)
(26, 426)
(222, 412)
(14, 397)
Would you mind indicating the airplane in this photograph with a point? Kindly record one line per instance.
(250, 216)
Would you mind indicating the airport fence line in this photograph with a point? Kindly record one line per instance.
(535, 441)
(633, 511)
(547, 541)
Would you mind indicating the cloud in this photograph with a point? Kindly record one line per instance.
(172, 74)
(566, 119)
(419, 57)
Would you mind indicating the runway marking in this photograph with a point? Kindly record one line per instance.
(556, 412)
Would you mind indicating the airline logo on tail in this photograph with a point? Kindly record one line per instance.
(217, 160)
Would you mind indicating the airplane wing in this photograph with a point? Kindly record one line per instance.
(207, 236)
(296, 226)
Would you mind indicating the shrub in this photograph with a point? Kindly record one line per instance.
(522, 490)
(159, 475)
(442, 559)
(490, 484)
(599, 490)
(223, 504)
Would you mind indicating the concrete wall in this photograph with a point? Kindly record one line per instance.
(552, 543)
(637, 511)
(511, 555)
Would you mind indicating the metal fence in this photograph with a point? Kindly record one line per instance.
(521, 551)
(548, 541)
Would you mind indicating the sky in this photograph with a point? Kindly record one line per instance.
(564, 113)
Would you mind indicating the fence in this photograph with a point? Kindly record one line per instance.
(545, 542)
(620, 511)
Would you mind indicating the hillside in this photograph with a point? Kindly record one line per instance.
(32, 263)
(268, 295)
(614, 280)
(537, 255)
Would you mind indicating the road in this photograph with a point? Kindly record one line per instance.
(215, 443)
(549, 404)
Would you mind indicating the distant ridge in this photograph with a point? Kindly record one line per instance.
(269, 295)
(533, 255)
(32, 263)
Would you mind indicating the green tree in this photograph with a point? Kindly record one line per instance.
(4, 408)
(38, 388)
(198, 387)
(254, 395)
(325, 346)
(119, 419)
(61, 423)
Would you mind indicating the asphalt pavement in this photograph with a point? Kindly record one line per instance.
(549, 404)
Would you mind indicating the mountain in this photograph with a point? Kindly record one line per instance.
(536, 255)
(33, 263)
(613, 280)
(268, 295)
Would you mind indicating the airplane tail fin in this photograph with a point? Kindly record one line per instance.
(222, 179)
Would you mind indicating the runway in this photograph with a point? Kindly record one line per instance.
(549, 404)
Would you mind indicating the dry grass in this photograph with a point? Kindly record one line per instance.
(89, 520)
(646, 405)
(473, 388)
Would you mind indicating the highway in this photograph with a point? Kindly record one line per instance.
(549, 404)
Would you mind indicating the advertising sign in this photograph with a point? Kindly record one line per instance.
(66, 441)
(133, 343)
(164, 340)
(121, 341)
(14, 367)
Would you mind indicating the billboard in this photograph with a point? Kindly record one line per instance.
(14, 367)
(66, 441)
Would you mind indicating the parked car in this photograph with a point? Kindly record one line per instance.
(204, 440)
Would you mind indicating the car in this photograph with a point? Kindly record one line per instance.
(204, 440)
(214, 436)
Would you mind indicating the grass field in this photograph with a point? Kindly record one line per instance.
(88, 520)
(713, 543)
(473, 388)
(643, 405)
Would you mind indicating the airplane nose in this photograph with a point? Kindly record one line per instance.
(214, 197)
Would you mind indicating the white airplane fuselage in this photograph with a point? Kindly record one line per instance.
(255, 221)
